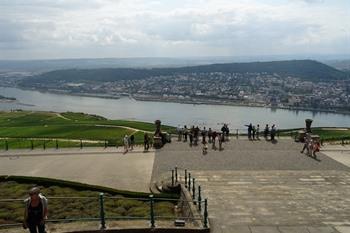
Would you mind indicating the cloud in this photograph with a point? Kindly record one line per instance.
(66, 28)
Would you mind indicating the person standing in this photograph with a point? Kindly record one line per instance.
(250, 128)
(146, 141)
(258, 132)
(273, 132)
(204, 134)
(253, 131)
(210, 134)
(126, 143)
(266, 131)
(132, 142)
(214, 139)
(185, 133)
(220, 138)
(35, 212)
(191, 138)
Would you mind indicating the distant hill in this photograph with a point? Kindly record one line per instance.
(305, 69)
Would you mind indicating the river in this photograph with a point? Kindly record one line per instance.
(169, 113)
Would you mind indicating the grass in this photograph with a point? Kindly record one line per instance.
(17, 188)
(37, 126)
(326, 134)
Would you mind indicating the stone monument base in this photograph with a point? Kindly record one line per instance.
(157, 142)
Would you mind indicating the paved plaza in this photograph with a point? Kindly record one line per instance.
(261, 187)
(105, 167)
(254, 187)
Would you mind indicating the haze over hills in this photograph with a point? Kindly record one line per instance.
(305, 69)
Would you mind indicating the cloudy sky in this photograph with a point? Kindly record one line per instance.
(37, 29)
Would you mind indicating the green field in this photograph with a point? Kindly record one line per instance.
(86, 207)
(326, 134)
(21, 129)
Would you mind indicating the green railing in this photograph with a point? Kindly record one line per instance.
(102, 217)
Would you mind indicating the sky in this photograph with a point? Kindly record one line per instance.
(47, 29)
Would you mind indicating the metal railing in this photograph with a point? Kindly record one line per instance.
(102, 217)
(189, 183)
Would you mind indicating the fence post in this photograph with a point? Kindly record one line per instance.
(199, 199)
(31, 145)
(44, 145)
(176, 178)
(6, 145)
(205, 213)
(172, 178)
(56, 144)
(189, 182)
(194, 190)
(185, 178)
(81, 144)
(102, 212)
(152, 211)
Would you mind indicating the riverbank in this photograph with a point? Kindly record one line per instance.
(220, 102)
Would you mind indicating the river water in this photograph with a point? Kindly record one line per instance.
(169, 113)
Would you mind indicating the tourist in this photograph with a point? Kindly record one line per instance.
(253, 132)
(35, 212)
(146, 141)
(204, 134)
(126, 143)
(227, 132)
(307, 139)
(214, 135)
(266, 131)
(250, 128)
(220, 139)
(185, 133)
(196, 135)
(273, 133)
(191, 137)
(132, 141)
(223, 130)
(205, 148)
(210, 134)
(257, 131)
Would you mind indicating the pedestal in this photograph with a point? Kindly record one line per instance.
(157, 142)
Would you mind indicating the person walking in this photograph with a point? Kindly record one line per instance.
(146, 142)
(126, 143)
(35, 212)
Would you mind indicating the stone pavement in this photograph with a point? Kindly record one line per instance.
(260, 187)
(110, 168)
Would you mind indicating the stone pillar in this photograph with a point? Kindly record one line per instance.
(157, 138)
